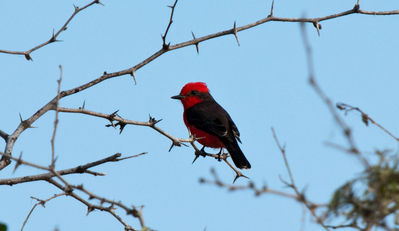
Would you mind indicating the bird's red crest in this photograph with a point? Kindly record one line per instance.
(199, 86)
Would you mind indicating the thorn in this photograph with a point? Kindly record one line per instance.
(111, 118)
(20, 118)
(100, 3)
(317, 26)
(19, 162)
(195, 158)
(239, 174)
(76, 8)
(165, 46)
(84, 104)
(357, 6)
(174, 143)
(365, 119)
(196, 44)
(153, 121)
(235, 33)
(121, 127)
(113, 114)
(171, 146)
(133, 74)
(271, 10)
(89, 210)
(28, 57)
(52, 39)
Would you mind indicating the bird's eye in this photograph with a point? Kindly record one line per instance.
(194, 92)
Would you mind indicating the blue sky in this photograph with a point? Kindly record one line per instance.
(262, 84)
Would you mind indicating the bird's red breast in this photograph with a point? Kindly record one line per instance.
(204, 138)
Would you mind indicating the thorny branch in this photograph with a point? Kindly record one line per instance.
(91, 207)
(164, 45)
(76, 170)
(69, 188)
(365, 117)
(250, 186)
(121, 122)
(195, 41)
(54, 36)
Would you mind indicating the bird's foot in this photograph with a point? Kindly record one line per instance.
(219, 158)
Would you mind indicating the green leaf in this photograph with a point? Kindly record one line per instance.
(3, 227)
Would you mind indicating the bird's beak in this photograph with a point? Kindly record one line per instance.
(177, 97)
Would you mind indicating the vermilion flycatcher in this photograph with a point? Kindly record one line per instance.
(209, 122)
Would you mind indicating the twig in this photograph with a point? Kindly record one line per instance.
(40, 202)
(301, 197)
(76, 170)
(90, 206)
(56, 119)
(137, 213)
(258, 191)
(164, 45)
(365, 117)
(54, 36)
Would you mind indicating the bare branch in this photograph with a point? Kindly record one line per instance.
(114, 117)
(40, 202)
(258, 191)
(54, 36)
(76, 170)
(365, 117)
(90, 206)
(164, 45)
(301, 196)
(56, 119)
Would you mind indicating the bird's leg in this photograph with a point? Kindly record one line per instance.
(220, 154)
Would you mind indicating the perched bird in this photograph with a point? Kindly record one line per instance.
(209, 122)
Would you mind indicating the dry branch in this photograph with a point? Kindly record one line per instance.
(39, 202)
(76, 170)
(300, 196)
(365, 118)
(54, 36)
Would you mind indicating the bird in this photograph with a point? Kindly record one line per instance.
(209, 122)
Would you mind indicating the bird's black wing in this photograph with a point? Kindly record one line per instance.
(211, 118)
(234, 129)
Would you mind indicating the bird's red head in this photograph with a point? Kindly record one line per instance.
(192, 93)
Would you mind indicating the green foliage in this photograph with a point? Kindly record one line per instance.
(370, 198)
(3, 227)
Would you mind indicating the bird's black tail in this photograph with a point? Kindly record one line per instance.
(236, 154)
